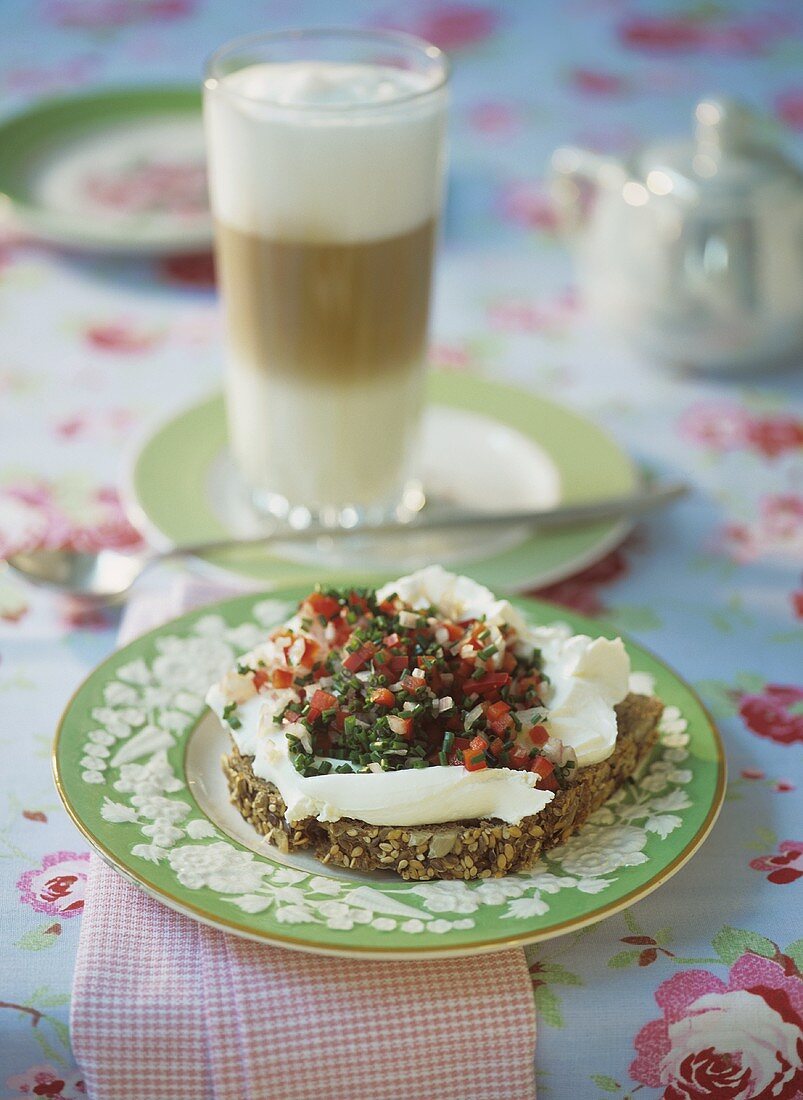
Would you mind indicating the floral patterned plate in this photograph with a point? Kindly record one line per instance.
(121, 170)
(137, 764)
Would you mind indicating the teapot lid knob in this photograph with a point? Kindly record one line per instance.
(725, 127)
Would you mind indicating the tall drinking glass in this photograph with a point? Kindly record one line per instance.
(326, 164)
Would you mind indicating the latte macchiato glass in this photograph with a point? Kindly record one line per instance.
(326, 164)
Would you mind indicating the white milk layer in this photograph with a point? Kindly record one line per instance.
(324, 151)
(319, 443)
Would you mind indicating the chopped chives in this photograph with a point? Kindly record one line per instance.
(428, 644)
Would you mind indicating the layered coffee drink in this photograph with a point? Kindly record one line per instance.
(326, 183)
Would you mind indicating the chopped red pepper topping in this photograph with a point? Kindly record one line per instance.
(541, 766)
(519, 758)
(501, 724)
(444, 675)
(497, 710)
(538, 735)
(320, 701)
(492, 682)
(327, 606)
(355, 661)
(474, 761)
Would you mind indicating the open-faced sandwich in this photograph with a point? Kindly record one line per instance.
(428, 729)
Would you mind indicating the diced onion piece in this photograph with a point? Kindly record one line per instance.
(397, 724)
(419, 674)
(558, 753)
(472, 716)
(409, 706)
(408, 618)
(300, 731)
(535, 716)
(467, 652)
(296, 651)
(441, 635)
(440, 705)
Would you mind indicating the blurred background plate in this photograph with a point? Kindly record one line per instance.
(118, 170)
(482, 442)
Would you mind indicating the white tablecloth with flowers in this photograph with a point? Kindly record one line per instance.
(91, 348)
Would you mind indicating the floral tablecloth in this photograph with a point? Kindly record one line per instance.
(92, 348)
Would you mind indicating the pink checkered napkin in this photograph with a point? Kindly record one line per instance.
(165, 1008)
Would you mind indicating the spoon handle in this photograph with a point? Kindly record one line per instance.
(621, 507)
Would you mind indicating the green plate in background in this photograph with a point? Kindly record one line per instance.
(178, 486)
(137, 764)
(121, 169)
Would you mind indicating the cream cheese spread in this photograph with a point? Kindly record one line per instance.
(587, 678)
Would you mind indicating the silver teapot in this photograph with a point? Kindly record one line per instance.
(692, 250)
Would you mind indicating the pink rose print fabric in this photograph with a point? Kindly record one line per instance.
(582, 592)
(727, 426)
(789, 108)
(94, 349)
(452, 26)
(784, 867)
(49, 1082)
(120, 336)
(60, 515)
(775, 713)
(57, 887)
(718, 34)
(740, 1039)
(107, 14)
(775, 532)
(528, 205)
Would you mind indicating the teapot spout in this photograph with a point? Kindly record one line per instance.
(576, 176)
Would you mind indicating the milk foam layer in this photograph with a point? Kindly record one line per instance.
(324, 151)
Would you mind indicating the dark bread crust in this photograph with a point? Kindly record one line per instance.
(456, 849)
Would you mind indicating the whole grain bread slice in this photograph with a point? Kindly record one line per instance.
(456, 849)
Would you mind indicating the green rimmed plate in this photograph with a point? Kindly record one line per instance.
(121, 169)
(137, 764)
(482, 441)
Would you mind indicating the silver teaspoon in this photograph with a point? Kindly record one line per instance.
(107, 575)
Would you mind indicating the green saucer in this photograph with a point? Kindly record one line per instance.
(180, 486)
